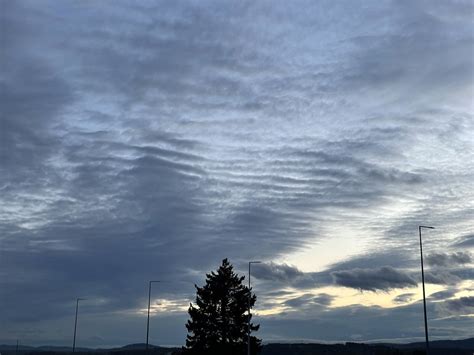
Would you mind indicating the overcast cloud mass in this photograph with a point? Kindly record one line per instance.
(150, 140)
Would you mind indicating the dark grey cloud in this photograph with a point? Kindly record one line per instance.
(464, 272)
(441, 278)
(323, 299)
(277, 272)
(309, 300)
(465, 241)
(382, 279)
(443, 295)
(274, 275)
(449, 259)
(278, 293)
(404, 298)
(461, 258)
(463, 305)
(396, 259)
(300, 301)
(450, 276)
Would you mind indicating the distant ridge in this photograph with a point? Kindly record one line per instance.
(467, 344)
(9, 349)
(439, 347)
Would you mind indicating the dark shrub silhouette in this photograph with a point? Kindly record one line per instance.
(219, 321)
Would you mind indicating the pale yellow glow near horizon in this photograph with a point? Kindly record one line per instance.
(347, 297)
(467, 289)
(270, 311)
(343, 297)
(161, 306)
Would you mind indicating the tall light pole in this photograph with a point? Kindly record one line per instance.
(424, 295)
(75, 324)
(250, 297)
(148, 318)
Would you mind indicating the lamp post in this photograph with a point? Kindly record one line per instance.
(75, 324)
(423, 282)
(148, 318)
(250, 297)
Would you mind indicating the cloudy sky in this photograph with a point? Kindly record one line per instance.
(150, 140)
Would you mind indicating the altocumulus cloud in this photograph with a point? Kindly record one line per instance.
(277, 272)
(404, 298)
(383, 279)
(309, 300)
(144, 140)
(466, 241)
(449, 259)
(458, 306)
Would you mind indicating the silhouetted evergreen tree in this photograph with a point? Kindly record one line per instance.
(218, 323)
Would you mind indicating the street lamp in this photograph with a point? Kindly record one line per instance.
(250, 297)
(424, 295)
(75, 324)
(148, 318)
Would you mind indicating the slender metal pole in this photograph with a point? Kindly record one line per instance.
(250, 297)
(16, 350)
(424, 294)
(148, 317)
(248, 325)
(75, 326)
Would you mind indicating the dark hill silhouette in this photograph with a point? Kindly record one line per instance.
(440, 347)
(467, 344)
(362, 349)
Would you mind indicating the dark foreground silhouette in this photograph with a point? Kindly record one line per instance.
(221, 320)
(443, 347)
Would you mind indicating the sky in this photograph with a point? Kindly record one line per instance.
(149, 140)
